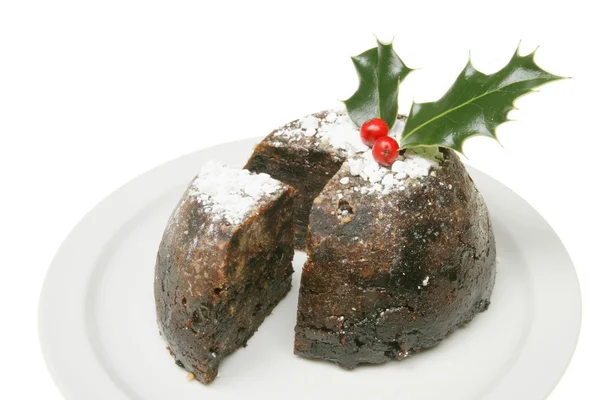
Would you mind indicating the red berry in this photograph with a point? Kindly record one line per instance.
(372, 130)
(386, 150)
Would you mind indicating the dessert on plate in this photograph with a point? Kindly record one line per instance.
(400, 244)
(398, 256)
(224, 263)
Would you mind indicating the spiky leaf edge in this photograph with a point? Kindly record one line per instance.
(469, 66)
(370, 66)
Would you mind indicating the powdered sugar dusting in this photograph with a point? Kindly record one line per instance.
(231, 194)
(309, 125)
(335, 130)
(340, 132)
(415, 163)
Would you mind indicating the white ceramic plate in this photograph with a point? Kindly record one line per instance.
(100, 340)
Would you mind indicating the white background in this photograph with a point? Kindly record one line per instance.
(93, 93)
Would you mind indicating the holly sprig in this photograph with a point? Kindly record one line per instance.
(380, 72)
(476, 104)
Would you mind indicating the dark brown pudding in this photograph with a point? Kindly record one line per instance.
(396, 269)
(398, 257)
(224, 263)
(300, 161)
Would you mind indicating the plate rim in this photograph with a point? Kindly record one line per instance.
(53, 342)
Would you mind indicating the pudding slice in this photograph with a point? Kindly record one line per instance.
(224, 263)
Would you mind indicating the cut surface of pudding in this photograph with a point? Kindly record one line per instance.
(224, 263)
(305, 154)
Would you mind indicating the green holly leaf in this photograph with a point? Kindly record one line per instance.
(475, 104)
(380, 72)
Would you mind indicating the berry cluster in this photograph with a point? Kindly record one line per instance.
(374, 133)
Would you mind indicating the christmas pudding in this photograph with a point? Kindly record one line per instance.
(224, 263)
(398, 258)
(400, 246)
